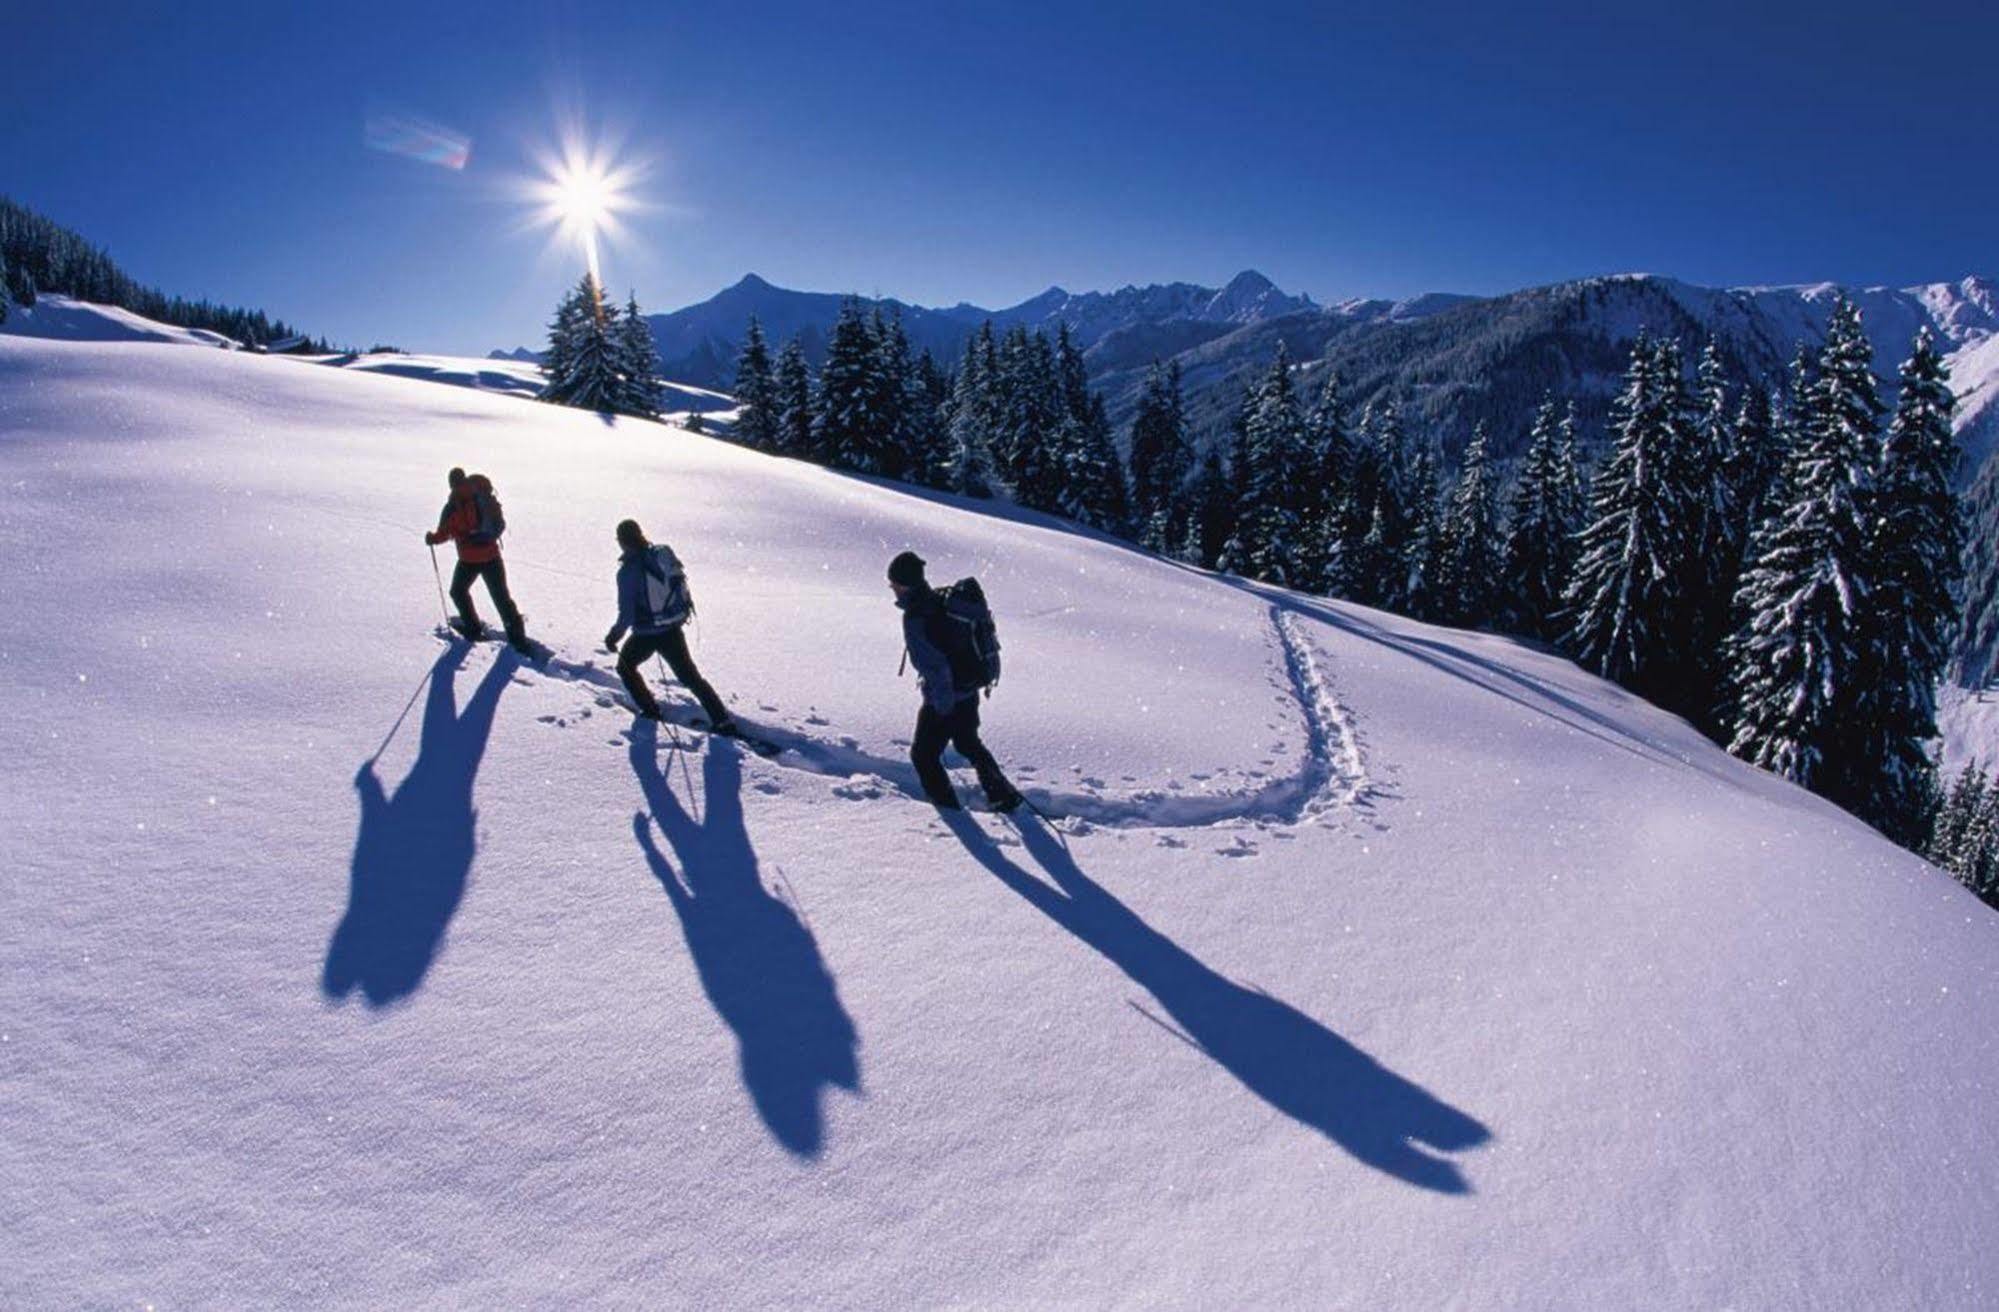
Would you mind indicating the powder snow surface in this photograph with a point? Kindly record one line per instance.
(63, 319)
(1386, 966)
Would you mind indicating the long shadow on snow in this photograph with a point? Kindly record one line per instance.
(757, 960)
(413, 852)
(1283, 1056)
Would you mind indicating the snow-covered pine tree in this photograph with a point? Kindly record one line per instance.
(1709, 448)
(1540, 540)
(1094, 492)
(1005, 362)
(564, 330)
(1383, 521)
(1754, 459)
(1425, 548)
(593, 378)
(1211, 511)
(926, 423)
(1273, 449)
(972, 406)
(1629, 606)
(1978, 847)
(793, 400)
(1160, 456)
(849, 422)
(1233, 554)
(1329, 453)
(1463, 566)
(1806, 668)
(1032, 411)
(1785, 411)
(1071, 376)
(756, 391)
(1917, 545)
(890, 449)
(1952, 822)
(638, 363)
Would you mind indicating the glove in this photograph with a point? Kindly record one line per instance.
(611, 640)
(430, 539)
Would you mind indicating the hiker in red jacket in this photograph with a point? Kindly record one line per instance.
(472, 518)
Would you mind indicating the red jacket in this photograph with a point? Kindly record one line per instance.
(460, 517)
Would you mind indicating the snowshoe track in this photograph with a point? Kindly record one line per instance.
(1331, 779)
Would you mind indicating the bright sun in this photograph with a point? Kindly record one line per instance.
(582, 192)
(584, 199)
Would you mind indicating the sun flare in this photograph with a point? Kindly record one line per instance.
(582, 192)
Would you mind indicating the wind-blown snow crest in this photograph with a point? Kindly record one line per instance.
(61, 318)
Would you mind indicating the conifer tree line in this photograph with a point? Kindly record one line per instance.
(1016, 418)
(38, 255)
(1779, 565)
(600, 356)
(1965, 837)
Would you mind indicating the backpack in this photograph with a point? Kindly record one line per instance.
(970, 639)
(492, 519)
(668, 599)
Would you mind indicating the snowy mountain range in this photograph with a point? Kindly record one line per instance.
(1374, 964)
(1451, 360)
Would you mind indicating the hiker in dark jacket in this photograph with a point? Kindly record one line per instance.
(464, 521)
(654, 603)
(950, 711)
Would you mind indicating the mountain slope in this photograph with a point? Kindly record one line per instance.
(1402, 967)
(1494, 359)
(1452, 360)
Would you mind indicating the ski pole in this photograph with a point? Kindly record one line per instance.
(659, 663)
(443, 611)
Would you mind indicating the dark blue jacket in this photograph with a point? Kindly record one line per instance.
(922, 608)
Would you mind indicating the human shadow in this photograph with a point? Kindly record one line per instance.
(413, 852)
(1283, 1056)
(757, 960)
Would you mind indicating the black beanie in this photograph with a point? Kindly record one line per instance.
(630, 534)
(906, 569)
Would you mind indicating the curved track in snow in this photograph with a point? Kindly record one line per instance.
(1330, 778)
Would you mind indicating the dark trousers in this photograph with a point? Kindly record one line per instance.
(672, 644)
(960, 728)
(495, 573)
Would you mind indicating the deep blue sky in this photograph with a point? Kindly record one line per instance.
(940, 152)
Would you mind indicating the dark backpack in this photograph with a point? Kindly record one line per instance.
(970, 639)
(492, 519)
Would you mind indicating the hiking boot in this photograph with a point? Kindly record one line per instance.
(1008, 803)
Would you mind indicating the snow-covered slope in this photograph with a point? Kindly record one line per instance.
(64, 319)
(1399, 967)
(511, 377)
